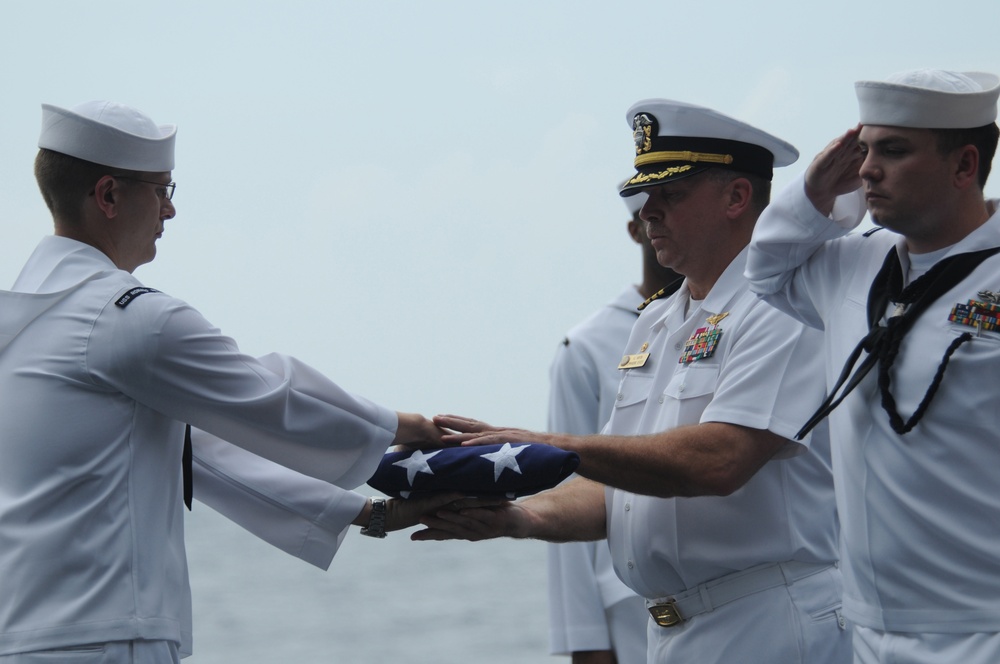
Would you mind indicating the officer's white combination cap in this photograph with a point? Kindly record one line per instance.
(633, 203)
(930, 99)
(674, 140)
(110, 134)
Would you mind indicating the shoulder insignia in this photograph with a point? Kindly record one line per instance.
(127, 298)
(655, 296)
(666, 291)
(872, 231)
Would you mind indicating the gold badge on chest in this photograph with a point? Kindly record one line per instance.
(636, 360)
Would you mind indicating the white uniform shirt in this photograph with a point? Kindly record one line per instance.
(764, 374)
(300, 515)
(93, 397)
(584, 380)
(919, 511)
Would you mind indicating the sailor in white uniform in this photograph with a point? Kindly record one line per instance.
(712, 511)
(915, 308)
(99, 375)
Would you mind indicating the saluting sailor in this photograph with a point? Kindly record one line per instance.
(712, 511)
(911, 317)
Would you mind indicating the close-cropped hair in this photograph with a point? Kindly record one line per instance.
(66, 181)
(984, 139)
(761, 187)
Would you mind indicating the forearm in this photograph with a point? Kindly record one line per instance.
(704, 459)
(302, 516)
(789, 232)
(712, 458)
(572, 512)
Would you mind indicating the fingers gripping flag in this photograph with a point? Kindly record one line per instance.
(490, 470)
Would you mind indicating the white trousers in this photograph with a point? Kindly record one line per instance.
(114, 652)
(626, 623)
(796, 624)
(872, 646)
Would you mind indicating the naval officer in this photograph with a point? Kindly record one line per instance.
(713, 512)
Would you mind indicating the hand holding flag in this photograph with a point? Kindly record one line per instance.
(500, 470)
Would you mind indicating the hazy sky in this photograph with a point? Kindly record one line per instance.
(419, 197)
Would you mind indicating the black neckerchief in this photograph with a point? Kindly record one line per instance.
(882, 341)
(186, 467)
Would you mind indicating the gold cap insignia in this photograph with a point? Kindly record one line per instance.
(642, 132)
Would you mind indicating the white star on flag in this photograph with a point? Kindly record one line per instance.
(417, 463)
(505, 457)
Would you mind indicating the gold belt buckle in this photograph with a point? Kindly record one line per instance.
(667, 614)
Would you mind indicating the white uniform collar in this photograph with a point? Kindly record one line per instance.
(59, 263)
(729, 284)
(628, 300)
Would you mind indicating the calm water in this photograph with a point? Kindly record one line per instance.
(381, 602)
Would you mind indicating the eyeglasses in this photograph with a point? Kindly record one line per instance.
(168, 188)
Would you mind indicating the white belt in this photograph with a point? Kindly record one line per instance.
(670, 611)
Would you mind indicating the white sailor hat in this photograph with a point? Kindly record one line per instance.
(635, 202)
(674, 140)
(109, 134)
(929, 99)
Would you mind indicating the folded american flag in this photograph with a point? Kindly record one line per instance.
(486, 471)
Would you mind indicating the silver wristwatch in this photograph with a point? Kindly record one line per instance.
(376, 521)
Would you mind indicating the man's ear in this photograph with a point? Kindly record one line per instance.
(967, 167)
(107, 193)
(636, 230)
(740, 193)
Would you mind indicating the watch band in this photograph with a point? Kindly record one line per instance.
(376, 521)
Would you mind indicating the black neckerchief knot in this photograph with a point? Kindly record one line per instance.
(882, 341)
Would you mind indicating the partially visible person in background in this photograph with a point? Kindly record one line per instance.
(593, 616)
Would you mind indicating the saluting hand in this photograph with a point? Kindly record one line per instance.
(834, 171)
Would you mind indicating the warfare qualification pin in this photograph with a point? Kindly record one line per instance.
(992, 297)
